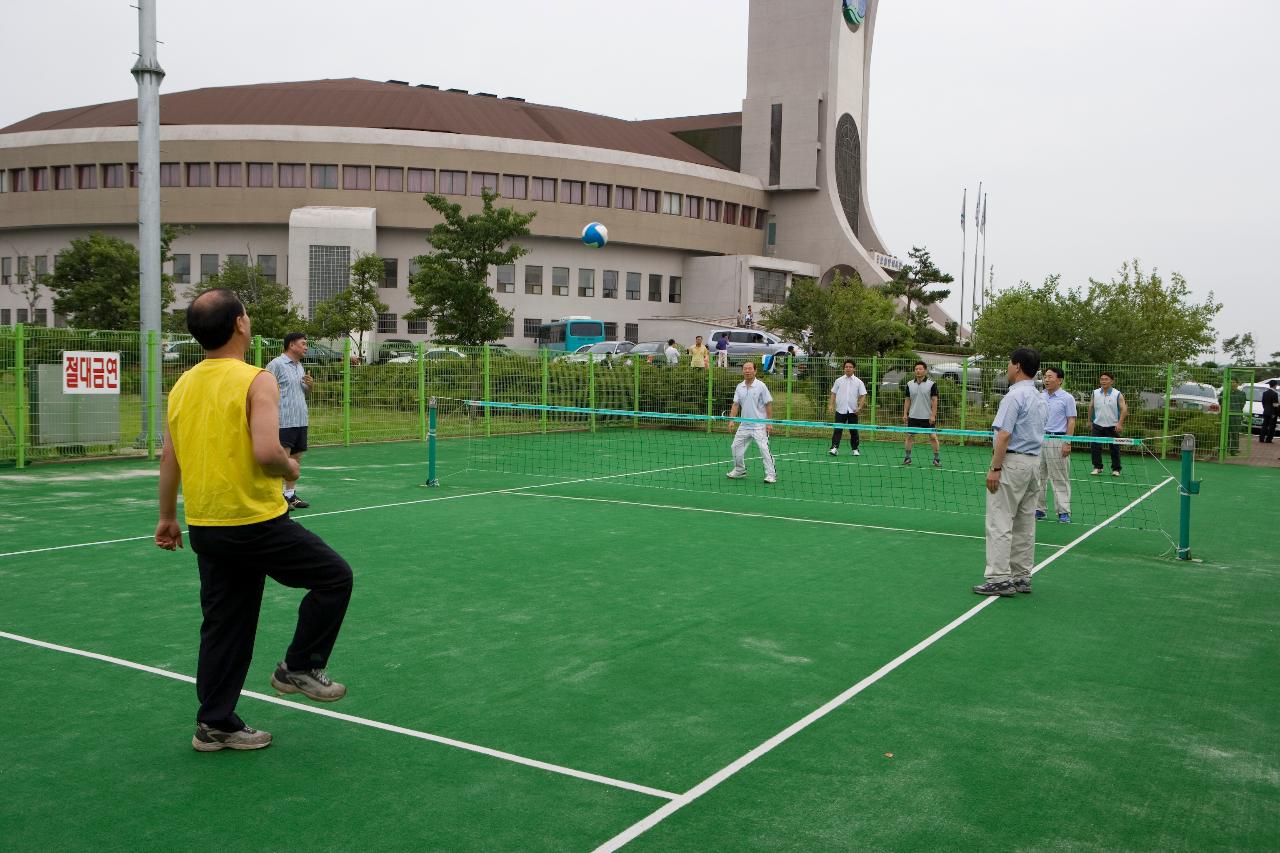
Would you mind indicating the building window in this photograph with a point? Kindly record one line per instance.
(87, 177)
(730, 213)
(6, 271)
(170, 174)
(649, 201)
(182, 269)
(22, 315)
(453, 182)
(260, 175)
(633, 286)
(388, 324)
(770, 286)
(133, 184)
(514, 186)
(610, 331)
(62, 178)
(324, 177)
(599, 195)
(543, 189)
(748, 219)
(572, 192)
(42, 265)
(671, 203)
(761, 217)
(356, 177)
(775, 145)
(267, 263)
(586, 282)
(39, 179)
(328, 274)
(42, 317)
(625, 198)
(389, 179)
(18, 180)
(481, 181)
(112, 175)
(655, 288)
(293, 175)
(693, 207)
(533, 280)
(208, 266)
(713, 210)
(390, 272)
(237, 260)
(610, 284)
(422, 180)
(510, 331)
(506, 278)
(199, 174)
(559, 281)
(674, 285)
(418, 327)
(24, 268)
(531, 327)
(6, 316)
(229, 175)
(632, 332)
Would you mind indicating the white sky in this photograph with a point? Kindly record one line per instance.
(1101, 131)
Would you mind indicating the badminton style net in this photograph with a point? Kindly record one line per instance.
(648, 453)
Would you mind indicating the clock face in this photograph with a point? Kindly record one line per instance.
(854, 12)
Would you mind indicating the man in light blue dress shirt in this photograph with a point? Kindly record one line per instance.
(1055, 460)
(1013, 481)
(295, 384)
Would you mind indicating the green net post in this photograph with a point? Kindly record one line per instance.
(257, 350)
(153, 405)
(544, 355)
(20, 374)
(346, 391)
(635, 390)
(591, 388)
(488, 397)
(710, 394)
(1225, 426)
(964, 393)
(423, 431)
(1188, 486)
(1168, 404)
(875, 386)
(790, 361)
(432, 479)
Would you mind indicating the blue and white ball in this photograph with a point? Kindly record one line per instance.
(595, 235)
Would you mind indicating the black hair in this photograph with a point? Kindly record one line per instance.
(1057, 371)
(918, 364)
(851, 361)
(294, 336)
(671, 341)
(211, 317)
(1026, 358)
(1272, 383)
(1108, 374)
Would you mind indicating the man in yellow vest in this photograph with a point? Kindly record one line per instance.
(222, 444)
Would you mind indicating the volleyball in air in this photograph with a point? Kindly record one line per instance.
(595, 235)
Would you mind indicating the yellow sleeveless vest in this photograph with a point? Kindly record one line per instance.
(222, 484)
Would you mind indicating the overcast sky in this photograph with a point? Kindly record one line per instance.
(1101, 131)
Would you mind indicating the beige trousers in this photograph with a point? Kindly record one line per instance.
(1011, 519)
(1055, 469)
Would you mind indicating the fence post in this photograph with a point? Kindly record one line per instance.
(591, 388)
(635, 382)
(422, 400)
(1168, 397)
(1225, 426)
(1188, 488)
(152, 420)
(546, 383)
(875, 385)
(432, 479)
(488, 425)
(710, 394)
(346, 391)
(257, 350)
(20, 373)
(790, 362)
(964, 394)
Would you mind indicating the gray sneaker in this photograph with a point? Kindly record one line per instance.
(1004, 589)
(312, 683)
(211, 740)
(1022, 585)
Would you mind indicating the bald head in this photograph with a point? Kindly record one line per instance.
(211, 317)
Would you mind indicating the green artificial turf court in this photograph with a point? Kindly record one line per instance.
(545, 667)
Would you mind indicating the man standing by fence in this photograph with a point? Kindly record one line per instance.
(1055, 457)
(722, 351)
(1107, 411)
(920, 411)
(848, 395)
(1270, 411)
(698, 353)
(295, 384)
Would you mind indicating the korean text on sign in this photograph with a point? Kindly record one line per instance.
(91, 373)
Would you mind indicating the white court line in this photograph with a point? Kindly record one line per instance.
(643, 825)
(361, 721)
(77, 545)
(764, 515)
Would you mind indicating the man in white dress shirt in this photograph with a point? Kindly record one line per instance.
(848, 395)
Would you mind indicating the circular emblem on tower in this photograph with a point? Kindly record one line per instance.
(854, 12)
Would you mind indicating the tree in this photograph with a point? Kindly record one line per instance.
(29, 283)
(269, 303)
(848, 318)
(353, 312)
(96, 281)
(451, 284)
(1241, 349)
(912, 283)
(1135, 318)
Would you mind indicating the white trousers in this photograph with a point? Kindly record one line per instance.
(722, 358)
(1011, 519)
(744, 436)
(1055, 470)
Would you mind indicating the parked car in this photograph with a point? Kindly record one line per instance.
(433, 354)
(650, 351)
(1253, 401)
(602, 351)
(1195, 396)
(321, 354)
(394, 348)
(169, 349)
(752, 342)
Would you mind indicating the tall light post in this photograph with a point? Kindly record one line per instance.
(148, 73)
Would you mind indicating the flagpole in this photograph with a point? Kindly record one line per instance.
(964, 245)
(977, 280)
(982, 227)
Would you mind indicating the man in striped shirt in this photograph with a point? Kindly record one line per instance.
(295, 383)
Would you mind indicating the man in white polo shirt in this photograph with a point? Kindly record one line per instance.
(1055, 459)
(1107, 411)
(848, 394)
(752, 399)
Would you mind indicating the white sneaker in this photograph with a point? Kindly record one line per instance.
(771, 478)
(1095, 472)
(857, 452)
(736, 475)
(833, 451)
(1115, 473)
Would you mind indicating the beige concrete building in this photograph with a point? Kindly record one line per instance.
(706, 214)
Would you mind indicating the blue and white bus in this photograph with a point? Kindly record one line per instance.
(568, 334)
